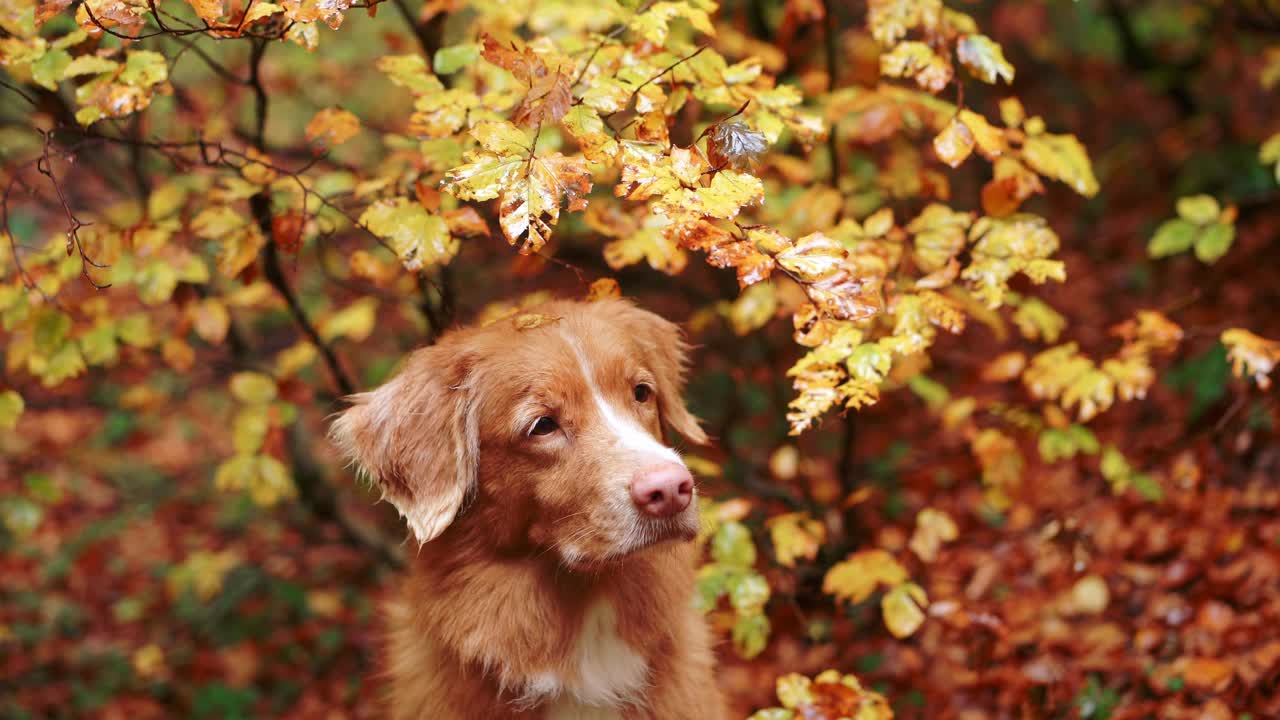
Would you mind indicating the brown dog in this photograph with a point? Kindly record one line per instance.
(555, 574)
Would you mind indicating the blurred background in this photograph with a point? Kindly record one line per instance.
(141, 576)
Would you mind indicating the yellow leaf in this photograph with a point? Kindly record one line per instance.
(1198, 209)
(603, 289)
(207, 10)
(653, 24)
(1052, 371)
(261, 10)
(1093, 390)
(988, 138)
(939, 235)
(419, 238)
(1037, 321)
(354, 322)
(796, 536)
(253, 388)
(793, 690)
(210, 319)
(587, 129)
(984, 58)
(331, 127)
(148, 661)
(753, 308)
(201, 573)
(11, 407)
(902, 609)
(1132, 375)
(954, 143)
(1251, 355)
(917, 60)
(1001, 463)
(889, 20)
(1089, 596)
(933, 527)
(294, 358)
(647, 243)
(1062, 158)
(857, 576)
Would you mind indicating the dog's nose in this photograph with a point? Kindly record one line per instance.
(662, 491)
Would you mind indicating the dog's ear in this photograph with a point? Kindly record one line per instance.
(667, 354)
(417, 439)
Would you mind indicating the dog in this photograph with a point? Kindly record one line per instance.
(555, 569)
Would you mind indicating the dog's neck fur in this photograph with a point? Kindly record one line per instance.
(538, 634)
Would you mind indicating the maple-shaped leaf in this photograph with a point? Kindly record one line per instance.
(857, 576)
(917, 60)
(419, 238)
(1251, 355)
(331, 127)
(984, 58)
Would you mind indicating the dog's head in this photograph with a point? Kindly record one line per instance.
(547, 428)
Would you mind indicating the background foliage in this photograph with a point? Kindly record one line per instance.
(982, 294)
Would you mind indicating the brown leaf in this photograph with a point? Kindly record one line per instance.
(286, 230)
(547, 101)
(47, 9)
(724, 250)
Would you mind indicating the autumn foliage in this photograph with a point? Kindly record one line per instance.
(982, 292)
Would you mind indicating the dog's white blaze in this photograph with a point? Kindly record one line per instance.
(610, 673)
(628, 432)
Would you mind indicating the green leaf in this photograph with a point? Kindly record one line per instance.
(20, 516)
(1172, 237)
(354, 322)
(144, 68)
(750, 635)
(11, 407)
(51, 330)
(713, 582)
(449, 60)
(49, 69)
(748, 592)
(1214, 242)
(732, 545)
(1205, 376)
(1198, 209)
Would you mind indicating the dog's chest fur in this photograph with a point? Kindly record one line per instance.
(605, 673)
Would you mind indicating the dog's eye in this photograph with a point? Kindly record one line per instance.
(643, 392)
(544, 426)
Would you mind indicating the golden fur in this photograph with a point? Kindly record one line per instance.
(539, 590)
